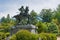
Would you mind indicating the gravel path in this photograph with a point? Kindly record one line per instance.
(58, 38)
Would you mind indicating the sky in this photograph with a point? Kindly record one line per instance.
(11, 6)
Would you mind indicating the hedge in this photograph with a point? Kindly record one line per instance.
(47, 36)
(26, 35)
(3, 35)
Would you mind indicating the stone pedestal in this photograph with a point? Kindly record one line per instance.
(29, 27)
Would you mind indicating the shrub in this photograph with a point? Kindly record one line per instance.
(24, 35)
(42, 27)
(46, 36)
(42, 36)
(53, 36)
(52, 28)
(34, 37)
(13, 37)
(7, 34)
(2, 35)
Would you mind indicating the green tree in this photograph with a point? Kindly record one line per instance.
(57, 13)
(52, 28)
(33, 17)
(46, 15)
(3, 19)
(8, 18)
(42, 27)
(7, 23)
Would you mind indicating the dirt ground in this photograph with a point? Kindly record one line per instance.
(58, 38)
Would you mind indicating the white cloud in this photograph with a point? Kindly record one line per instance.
(12, 7)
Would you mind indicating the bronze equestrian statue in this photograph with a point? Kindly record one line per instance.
(23, 14)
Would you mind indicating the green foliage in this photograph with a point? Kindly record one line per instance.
(57, 13)
(33, 17)
(6, 23)
(7, 34)
(55, 21)
(8, 18)
(52, 28)
(2, 35)
(34, 37)
(47, 36)
(47, 27)
(24, 35)
(3, 19)
(13, 37)
(46, 15)
(42, 27)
